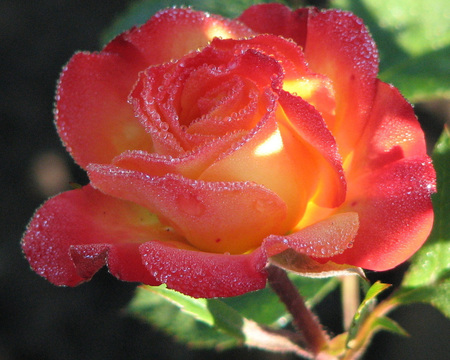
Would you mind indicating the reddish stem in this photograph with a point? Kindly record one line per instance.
(304, 320)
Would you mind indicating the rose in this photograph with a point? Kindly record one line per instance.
(214, 146)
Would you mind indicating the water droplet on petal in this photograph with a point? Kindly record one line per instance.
(262, 205)
(190, 205)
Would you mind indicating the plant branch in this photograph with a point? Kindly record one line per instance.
(304, 320)
(279, 341)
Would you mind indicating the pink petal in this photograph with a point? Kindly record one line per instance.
(204, 275)
(395, 213)
(75, 233)
(213, 216)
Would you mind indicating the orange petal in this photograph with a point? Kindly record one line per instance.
(303, 120)
(216, 217)
(262, 157)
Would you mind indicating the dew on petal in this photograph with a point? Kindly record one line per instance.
(190, 205)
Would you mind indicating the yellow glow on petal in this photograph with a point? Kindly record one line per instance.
(272, 145)
(218, 30)
(313, 214)
(348, 161)
(304, 88)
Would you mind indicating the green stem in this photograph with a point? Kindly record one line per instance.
(304, 320)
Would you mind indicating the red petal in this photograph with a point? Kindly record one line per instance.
(88, 259)
(215, 217)
(73, 234)
(395, 213)
(277, 19)
(392, 132)
(172, 33)
(305, 121)
(148, 97)
(243, 78)
(339, 46)
(204, 275)
(93, 117)
(287, 53)
(123, 260)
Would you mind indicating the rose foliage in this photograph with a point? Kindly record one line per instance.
(214, 146)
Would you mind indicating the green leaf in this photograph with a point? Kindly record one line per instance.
(356, 345)
(262, 306)
(385, 323)
(413, 39)
(437, 295)
(363, 311)
(140, 11)
(200, 323)
(422, 77)
(418, 26)
(207, 323)
(220, 323)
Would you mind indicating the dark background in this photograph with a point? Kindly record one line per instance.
(41, 321)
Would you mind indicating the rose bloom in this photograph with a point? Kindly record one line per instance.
(215, 146)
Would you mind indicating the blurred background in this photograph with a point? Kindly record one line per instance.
(41, 321)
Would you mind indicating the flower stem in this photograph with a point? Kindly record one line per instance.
(350, 299)
(304, 320)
